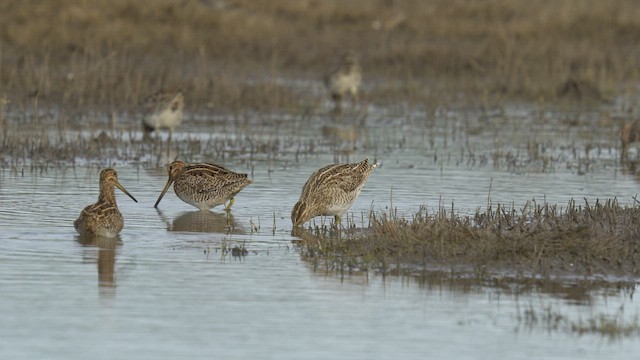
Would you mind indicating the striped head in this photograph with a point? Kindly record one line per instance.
(108, 177)
(175, 169)
(109, 180)
(301, 213)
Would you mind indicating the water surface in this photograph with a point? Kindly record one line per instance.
(169, 287)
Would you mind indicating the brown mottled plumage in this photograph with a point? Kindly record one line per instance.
(344, 78)
(163, 110)
(103, 218)
(204, 185)
(331, 191)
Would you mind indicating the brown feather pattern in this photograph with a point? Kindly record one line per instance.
(331, 190)
(204, 185)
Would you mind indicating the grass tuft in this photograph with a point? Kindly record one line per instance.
(539, 239)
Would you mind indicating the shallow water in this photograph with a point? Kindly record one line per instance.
(168, 287)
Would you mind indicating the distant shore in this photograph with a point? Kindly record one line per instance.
(110, 54)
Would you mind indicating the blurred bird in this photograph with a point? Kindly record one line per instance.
(344, 78)
(163, 110)
(629, 133)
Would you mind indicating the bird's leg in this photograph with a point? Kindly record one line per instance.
(229, 227)
(230, 204)
(337, 219)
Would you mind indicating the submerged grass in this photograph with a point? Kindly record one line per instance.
(539, 240)
(611, 327)
(38, 134)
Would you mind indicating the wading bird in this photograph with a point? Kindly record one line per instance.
(344, 79)
(204, 185)
(103, 218)
(331, 191)
(162, 110)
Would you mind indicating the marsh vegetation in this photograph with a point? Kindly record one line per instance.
(233, 54)
(71, 89)
(538, 239)
(453, 91)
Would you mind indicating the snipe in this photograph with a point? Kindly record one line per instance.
(103, 218)
(344, 78)
(331, 191)
(163, 110)
(204, 185)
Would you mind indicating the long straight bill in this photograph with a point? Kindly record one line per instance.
(164, 191)
(125, 191)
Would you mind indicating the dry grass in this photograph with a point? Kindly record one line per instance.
(112, 53)
(589, 239)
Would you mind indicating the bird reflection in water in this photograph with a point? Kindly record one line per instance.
(202, 221)
(107, 248)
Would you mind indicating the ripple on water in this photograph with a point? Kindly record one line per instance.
(168, 283)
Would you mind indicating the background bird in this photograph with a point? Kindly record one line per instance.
(163, 110)
(629, 134)
(344, 78)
